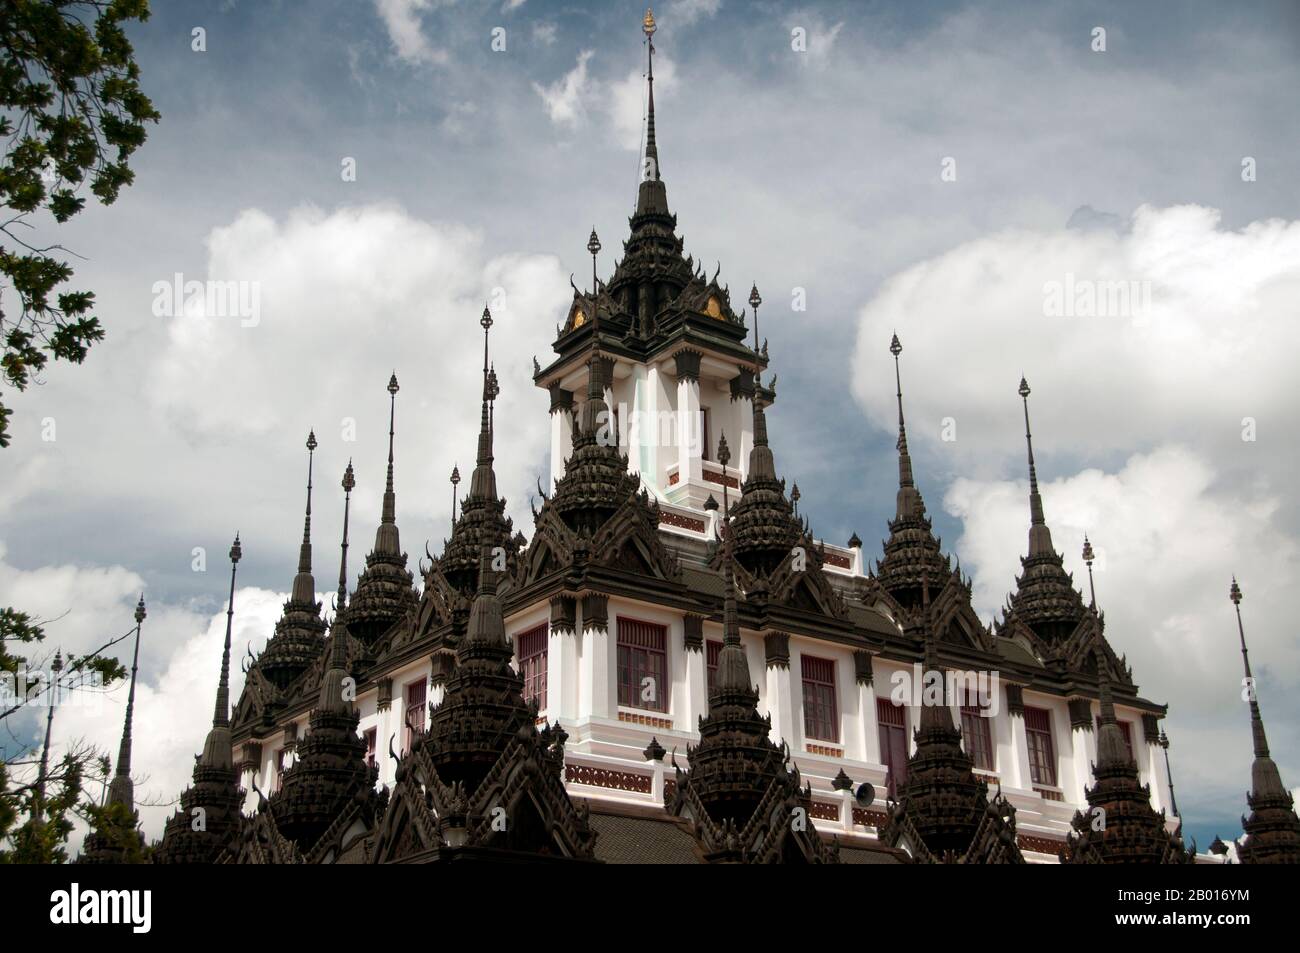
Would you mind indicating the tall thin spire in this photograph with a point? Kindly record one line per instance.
(303, 585)
(1273, 829)
(651, 147)
(1040, 538)
(121, 790)
(909, 500)
(760, 457)
(1088, 557)
(386, 541)
(349, 481)
(483, 484)
(221, 715)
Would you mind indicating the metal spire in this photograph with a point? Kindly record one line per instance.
(593, 246)
(304, 554)
(1169, 775)
(455, 481)
(483, 483)
(120, 790)
(1040, 538)
(651, 147)
(1087, 558)
(1256, 720)
(349, 481)
(221, 715)
(724, 457)
(390, 498)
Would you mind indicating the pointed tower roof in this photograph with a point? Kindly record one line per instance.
(330, 772)
(215, 793)
(122, 789)
(912, 552)
(114, 837)
(297, 639)
(943, 811)
(765, 525)
(1045, 598)
(1272, 829)
(1130, 830)
(483, 707)
(482, 520)
(385, 592)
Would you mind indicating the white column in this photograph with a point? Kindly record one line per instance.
(562, 672)
(780, 691)
(697, 689)
(870, 752)
(689, 430)
(1083, 741)
(1019, 742)
(596, 697)
(561, 435)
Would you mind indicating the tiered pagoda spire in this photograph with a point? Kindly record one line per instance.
(385, 592)
(1045, 598)
(1120, 826)
(743, 799)
(482, 519)
(330, 774)
(912, 553)
(943, 814)
(483, 783)
(116, 838)
(765, 525)
(299, 635)
(1272, 829)
(209, 816)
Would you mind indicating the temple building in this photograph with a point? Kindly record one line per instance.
(671, 668)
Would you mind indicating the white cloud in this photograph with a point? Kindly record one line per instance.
(686, 12)
(565, 100)
(402, 20)
(625, 100)
(1214, 346)
(544, 31)
(1168, 537)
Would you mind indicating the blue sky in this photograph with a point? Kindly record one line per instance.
(817, 170)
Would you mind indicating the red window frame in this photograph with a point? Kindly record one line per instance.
(821, 718)
(977, 735)
(642, 653)
(891, 723)
(712, 649)
(417, 696)
(532, 655)
(1042, 752)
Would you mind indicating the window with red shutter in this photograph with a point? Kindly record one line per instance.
(532, 663)
(416, 694)
(821, 719)
(892, 721)
(1042, 753)
(977, 735)
(711, 651)
(643, 665)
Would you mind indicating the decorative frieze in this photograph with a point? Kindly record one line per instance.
(824, 811)
(563, 614)
(252, 760)
(561, 399)
(863, 670)
(290, 735)
(1039, 845)
(1081, 714)
(826, 751)
(595, 611)
(693, 632)
(836, 559)
(731, 481)
(776, 648)
(669, 518)
(688, 365)
(1151, 728)
(1016, 699)
(442, 665)
(384, 688)
(742, 386)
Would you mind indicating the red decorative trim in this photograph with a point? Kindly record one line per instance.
(712, 477)
(869, 818)
(824, 750)
(1049, 795)
(1040, 845)
(824, 811)
(835, 559)
(649, 721)
(607, 778)
(684, 522)
(673, 478)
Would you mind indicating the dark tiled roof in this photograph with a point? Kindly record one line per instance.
(642, 840)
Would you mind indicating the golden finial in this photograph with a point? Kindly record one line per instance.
(648, 24)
